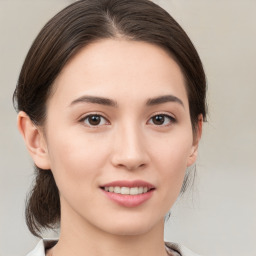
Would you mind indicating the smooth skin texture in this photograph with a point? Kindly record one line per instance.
(134, 133)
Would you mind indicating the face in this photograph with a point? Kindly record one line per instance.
(118, 136)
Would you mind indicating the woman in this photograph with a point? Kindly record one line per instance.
(111, 100)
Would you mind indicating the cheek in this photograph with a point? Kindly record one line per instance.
(170, 160)
(75, 158)
(173, 165)
(173, 151)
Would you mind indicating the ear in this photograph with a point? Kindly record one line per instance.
(34, 140)
(197, 136)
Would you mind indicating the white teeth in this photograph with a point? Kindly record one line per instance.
(141, 190)
(117, 190)
(126, 190)
(134, 191)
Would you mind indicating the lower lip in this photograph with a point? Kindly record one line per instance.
(129, 200)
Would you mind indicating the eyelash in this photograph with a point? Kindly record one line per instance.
(171, 119)
(85, 118)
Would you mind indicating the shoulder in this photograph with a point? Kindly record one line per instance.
(179, 250)
(41, 247)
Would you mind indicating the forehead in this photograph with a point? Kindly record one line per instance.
(114, 67)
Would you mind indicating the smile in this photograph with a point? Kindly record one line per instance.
(127, 190)
(128, 193)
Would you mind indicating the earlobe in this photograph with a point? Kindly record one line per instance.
(197, 137)
(192, 158)
(34, 140)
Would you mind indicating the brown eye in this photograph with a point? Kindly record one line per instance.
(94, 120)
(158, 120)
(161, 120)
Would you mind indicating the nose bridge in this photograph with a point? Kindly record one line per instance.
(130, 151)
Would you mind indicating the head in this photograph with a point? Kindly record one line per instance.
(99, 32)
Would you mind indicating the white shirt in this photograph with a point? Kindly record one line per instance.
(172, 248)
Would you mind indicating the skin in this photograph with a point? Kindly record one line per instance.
(127, 144)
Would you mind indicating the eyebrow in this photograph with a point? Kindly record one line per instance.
(95, 100)
(164, 99)
(112, 103)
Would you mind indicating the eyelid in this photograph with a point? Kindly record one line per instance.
(168, 115)
(85, 116)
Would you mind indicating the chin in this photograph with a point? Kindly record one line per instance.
(133, 226)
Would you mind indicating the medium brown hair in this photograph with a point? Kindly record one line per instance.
(78, 25)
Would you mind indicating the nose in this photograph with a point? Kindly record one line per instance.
(129, 149)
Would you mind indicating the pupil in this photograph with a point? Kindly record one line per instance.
(158, 120)
(94, 120)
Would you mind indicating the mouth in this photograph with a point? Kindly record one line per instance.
(127, 190)
(128, 193)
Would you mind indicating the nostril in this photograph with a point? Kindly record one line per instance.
(121, 161)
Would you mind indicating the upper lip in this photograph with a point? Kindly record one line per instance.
(129, 184)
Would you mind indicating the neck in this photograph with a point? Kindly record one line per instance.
(79, 238)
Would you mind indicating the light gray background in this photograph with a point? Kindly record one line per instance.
(218, 217)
